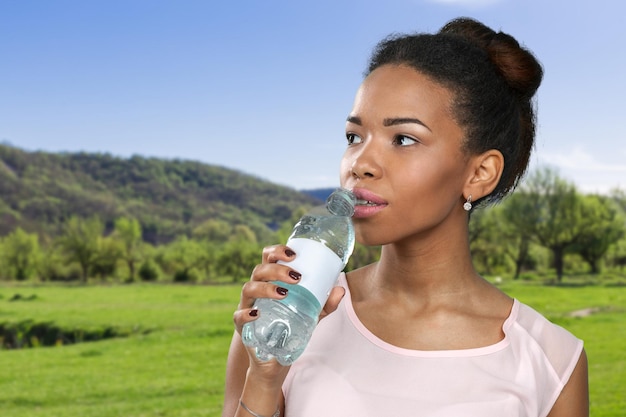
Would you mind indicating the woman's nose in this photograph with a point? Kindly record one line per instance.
(365, 164)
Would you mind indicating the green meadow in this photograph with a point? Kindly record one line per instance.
(171, 361)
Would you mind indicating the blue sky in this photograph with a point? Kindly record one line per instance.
(264, 86)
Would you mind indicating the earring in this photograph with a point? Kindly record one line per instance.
(467, 206)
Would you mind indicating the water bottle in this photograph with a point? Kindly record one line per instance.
(323, 240)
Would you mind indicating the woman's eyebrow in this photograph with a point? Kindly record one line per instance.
(403, 120)
(354, 119)
(390, 121)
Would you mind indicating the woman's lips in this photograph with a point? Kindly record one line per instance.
(367, 203)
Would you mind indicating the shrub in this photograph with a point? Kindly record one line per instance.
(149, 271)
(185, 275)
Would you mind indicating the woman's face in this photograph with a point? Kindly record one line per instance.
(404, 159)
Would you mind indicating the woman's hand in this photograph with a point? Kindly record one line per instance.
(267, 372)
(259, 285)
(259, 383)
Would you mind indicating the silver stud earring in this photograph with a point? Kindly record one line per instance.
(467, 206)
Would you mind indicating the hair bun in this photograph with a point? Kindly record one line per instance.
(516, 64)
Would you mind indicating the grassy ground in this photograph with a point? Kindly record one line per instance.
(177, 369)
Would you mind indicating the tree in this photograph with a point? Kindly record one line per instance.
(619, 197)
(108, 254)
(485, 245)
(555, 214)
(618, 254)
(2, 268)
(598, 235)
(80, 240)
(238, 258)
(52, 266)
(242, 233)
(516, 227)
(210, 254)
(183, 255)
(213, 230)
(128, 233)
(240, 254)
(21, 254)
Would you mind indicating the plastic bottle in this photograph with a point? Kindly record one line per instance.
(323, 240)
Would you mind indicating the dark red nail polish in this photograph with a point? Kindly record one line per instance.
(295, 275)
(289, 253)
(254, 312)
(281, 290)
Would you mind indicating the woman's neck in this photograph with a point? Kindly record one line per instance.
(435, 268)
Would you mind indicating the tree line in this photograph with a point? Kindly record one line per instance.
(547, 226)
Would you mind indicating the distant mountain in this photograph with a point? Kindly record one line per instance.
(319, 193)
(41, 190)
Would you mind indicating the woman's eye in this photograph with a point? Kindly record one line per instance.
(352, 138)
(403, 140)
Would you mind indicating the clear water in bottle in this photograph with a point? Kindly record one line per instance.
(323, 240)
(284, 328)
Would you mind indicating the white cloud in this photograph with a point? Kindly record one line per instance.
(585, 170)
(579, 159)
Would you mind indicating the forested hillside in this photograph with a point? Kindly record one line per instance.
(39, 191)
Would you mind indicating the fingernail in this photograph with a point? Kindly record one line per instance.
(254, 312)
(289, 253)
(281, 290)
(295, 275)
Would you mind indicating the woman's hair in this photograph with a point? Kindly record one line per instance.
(493, 80)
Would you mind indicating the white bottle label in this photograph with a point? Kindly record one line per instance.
(320, 267)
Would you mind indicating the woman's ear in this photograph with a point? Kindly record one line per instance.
(484, 174)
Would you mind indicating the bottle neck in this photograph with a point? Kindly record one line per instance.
(341, 203)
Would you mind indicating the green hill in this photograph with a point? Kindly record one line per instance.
(41, 190)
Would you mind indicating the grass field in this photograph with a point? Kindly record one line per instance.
(174, 366)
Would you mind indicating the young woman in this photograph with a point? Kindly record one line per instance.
(440, 124)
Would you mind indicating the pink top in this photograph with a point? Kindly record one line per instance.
(348, 371)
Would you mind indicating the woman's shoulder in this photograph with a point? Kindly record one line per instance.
(559, 345)
(540, 328)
